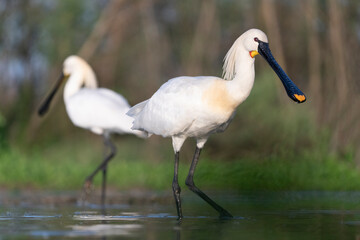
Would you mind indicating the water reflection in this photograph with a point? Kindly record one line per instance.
(106, 229)
(262, 216)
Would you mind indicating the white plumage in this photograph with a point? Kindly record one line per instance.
(99, 110)
(200, 106)
(179, 108)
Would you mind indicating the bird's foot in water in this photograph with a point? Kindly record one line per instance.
(88, 188)
(225, 215)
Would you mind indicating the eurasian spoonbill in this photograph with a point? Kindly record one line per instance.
(199, 106)
(100, 110)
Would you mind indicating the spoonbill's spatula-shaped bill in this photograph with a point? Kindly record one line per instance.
(291, 89)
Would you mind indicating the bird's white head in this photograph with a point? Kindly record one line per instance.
(72, 64)
(79, 73)
(75, 64)
(250, 40)
(244, 50)
(245, 47)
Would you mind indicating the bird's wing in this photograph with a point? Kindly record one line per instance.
(116, 98)
(172, 109)
(99, 110)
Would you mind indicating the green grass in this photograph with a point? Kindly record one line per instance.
(52, 170)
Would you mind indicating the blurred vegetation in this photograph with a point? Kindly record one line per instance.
(135, 46)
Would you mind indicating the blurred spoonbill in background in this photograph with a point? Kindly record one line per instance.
(100, 110)
(200, 106)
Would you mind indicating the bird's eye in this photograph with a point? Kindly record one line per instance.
(256, 39)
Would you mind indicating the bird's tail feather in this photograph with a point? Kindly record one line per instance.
(135, 110)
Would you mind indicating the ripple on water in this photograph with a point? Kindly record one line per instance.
(37, 216)
(12, 216)
(132, 216)
(127, 216)
(91, 230)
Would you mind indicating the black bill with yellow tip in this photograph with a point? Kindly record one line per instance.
(291, 89)
(46, 103)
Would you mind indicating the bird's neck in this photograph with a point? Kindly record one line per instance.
(78, 80)
(241, 85)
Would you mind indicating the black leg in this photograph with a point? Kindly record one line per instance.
(190, 183)
(103, 189)
(176, 188)
(103, 167)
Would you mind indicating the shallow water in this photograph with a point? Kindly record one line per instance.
(259, 215)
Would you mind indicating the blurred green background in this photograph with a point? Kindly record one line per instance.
(135, 46)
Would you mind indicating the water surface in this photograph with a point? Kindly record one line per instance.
(258, 215)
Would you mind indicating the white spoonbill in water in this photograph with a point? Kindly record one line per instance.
(100, 110)
(200, 106)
